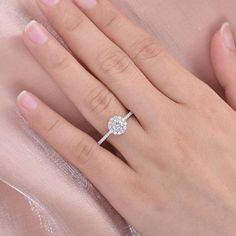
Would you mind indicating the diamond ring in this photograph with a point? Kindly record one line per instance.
(117, 125)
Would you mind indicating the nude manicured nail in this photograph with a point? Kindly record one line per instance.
(228, 36)
(36, 33)
(50, 2)
(86, 4)
(27, 101)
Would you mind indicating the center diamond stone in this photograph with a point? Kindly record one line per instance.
(117, 125)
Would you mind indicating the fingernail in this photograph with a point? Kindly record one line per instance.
(228, 36)
(50, 2)
(27, 101)
(36, 33)
(86, 4)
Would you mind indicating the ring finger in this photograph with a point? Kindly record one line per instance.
(91, 97)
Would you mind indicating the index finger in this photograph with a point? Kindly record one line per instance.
(144, 49)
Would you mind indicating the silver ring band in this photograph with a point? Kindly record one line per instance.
(117, 125)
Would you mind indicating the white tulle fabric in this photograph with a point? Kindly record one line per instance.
(40, 193)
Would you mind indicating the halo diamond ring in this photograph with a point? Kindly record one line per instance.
(117, 125)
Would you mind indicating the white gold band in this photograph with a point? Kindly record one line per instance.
(117, 125)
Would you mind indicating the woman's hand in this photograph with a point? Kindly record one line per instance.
(180, 175)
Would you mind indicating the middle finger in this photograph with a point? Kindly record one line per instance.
(89, 95)
(105, 59)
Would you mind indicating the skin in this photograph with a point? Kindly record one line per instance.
(180, 168)
(153, 15)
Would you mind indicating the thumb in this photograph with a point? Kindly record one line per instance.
(223, 54)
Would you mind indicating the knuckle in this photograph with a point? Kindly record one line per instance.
(52, 126)
(72, 21)
(145, 49)
(100, 99)
(58, 62)
(114, 61)
(83, 150)
(111, 20)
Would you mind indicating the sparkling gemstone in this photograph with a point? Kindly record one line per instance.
(117, 125)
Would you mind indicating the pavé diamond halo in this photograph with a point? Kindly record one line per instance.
(117, 125)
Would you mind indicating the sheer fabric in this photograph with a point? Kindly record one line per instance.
(40, 193)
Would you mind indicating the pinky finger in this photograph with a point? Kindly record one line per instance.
(108, 173)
